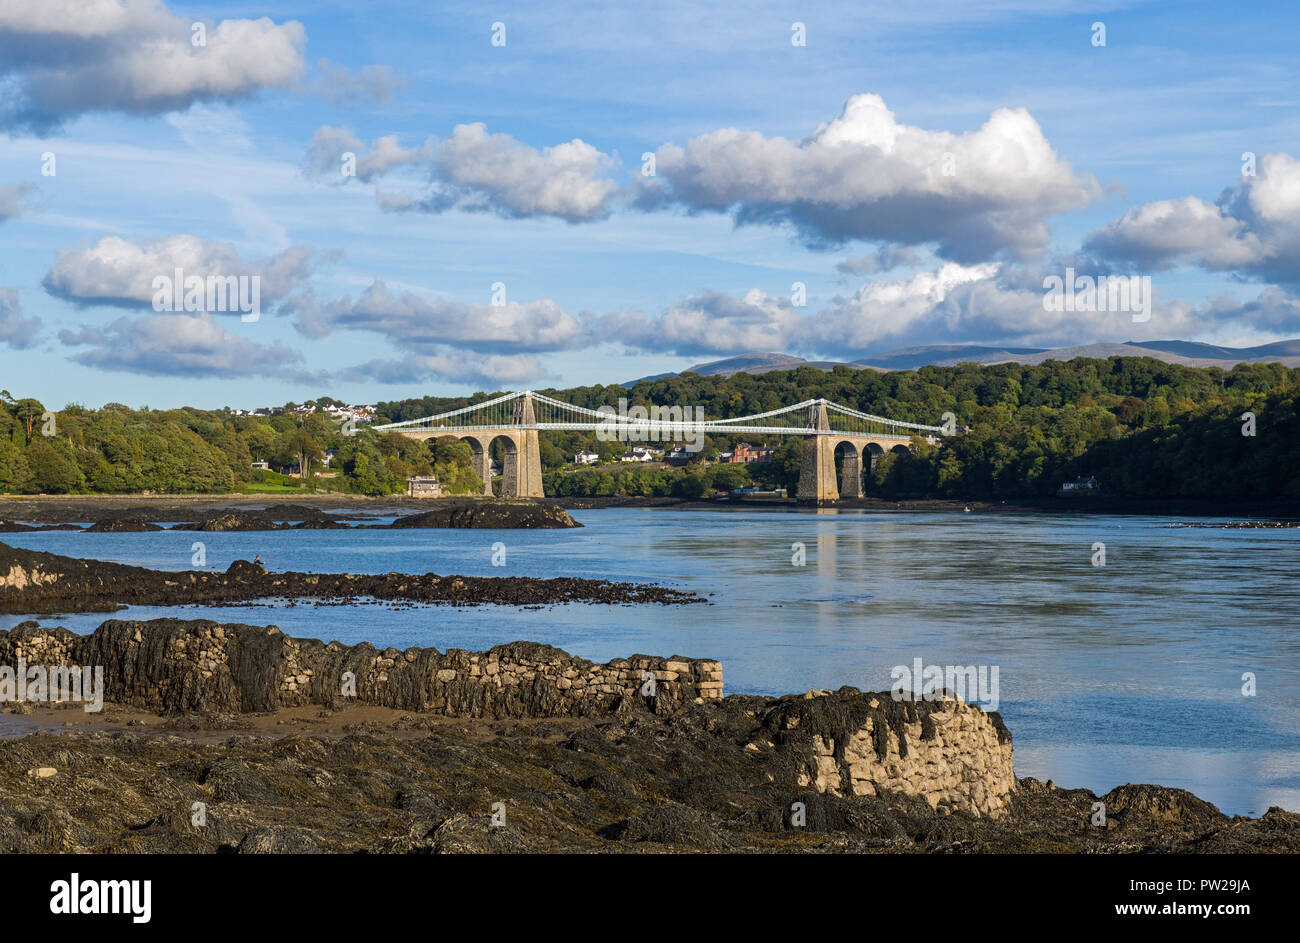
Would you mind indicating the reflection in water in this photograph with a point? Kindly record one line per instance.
(1127, 672)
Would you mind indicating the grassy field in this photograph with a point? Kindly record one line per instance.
(254, 488)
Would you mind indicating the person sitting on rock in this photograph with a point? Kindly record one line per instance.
(257, 562)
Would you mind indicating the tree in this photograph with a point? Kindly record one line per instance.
(28, 411)
(50, 472)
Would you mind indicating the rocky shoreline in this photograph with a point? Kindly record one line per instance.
(451, 513)
(240, 763)
(36, 582)
(18, 512)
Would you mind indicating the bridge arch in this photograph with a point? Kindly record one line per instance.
(508, 447)
(848, 456)
(482, 458)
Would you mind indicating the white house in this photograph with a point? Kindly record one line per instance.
(586, 458)
(1080, 486)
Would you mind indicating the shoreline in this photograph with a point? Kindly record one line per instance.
(63, 509)
(615, 772)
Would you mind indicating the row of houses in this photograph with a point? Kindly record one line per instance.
(639, 453)
(744, 453)
(362, 413)
(741, 454)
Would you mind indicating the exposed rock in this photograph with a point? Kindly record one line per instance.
(532, 766)
(32, 581)
(121, 526)
(690, 786)
(174, 665)
(279, 840)
(670, 824)
(233, 520)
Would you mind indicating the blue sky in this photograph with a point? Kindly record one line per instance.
(520, 164)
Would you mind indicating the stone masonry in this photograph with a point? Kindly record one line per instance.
(953, 755)
(180, 665)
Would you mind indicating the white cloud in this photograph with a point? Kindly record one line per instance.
(15, 330)
(181, 346)
(493, 371)
(66, 57)
(990, 303)
(710, 323)
(882, 260)
(11, 199)
(372, 84)
(412, 322)
(863, 175)
(477, 172)
(1186, 231)
(1253, 230)
(117, 271)
(325, 154)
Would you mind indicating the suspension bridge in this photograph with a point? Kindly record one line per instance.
(829, 431)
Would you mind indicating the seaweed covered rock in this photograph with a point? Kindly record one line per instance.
(171, 665)
(121, 525)
(234, 521)
(491, 514)
(33, 581)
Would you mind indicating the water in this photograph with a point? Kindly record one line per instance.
(1131, 672)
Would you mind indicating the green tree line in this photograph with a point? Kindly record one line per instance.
(116, 449)
(1144, 428)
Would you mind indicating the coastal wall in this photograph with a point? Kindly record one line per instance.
(953, 755)
(183, 665)
(846, 743)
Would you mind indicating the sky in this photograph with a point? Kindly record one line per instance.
(435, 198)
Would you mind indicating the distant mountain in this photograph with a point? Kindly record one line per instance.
(1188, 353)
(756, 363)
(1194, 349)
(750, 363)
(909, 358)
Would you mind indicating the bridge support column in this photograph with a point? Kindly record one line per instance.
(851, 476)
(817, 471)
(483, 464)
(522, 475)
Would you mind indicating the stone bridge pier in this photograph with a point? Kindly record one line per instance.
(521, 465)
(858, 453)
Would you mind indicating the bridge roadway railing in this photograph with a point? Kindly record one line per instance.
(665, 432)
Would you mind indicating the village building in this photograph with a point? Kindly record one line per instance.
(423, 486)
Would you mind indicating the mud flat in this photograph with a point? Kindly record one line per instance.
(304, 769)
(36, 582)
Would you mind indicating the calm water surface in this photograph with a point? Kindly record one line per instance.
(1131, 672)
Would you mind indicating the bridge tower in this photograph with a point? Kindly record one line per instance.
(817, 470)
(521, 476)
